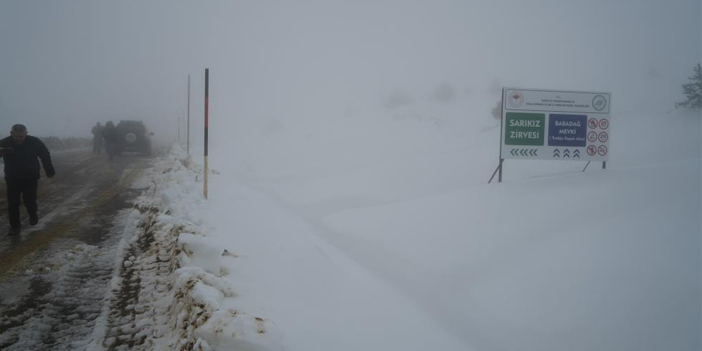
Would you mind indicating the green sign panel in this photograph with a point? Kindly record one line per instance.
(524, 128)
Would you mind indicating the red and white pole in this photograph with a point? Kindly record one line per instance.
(207, 121)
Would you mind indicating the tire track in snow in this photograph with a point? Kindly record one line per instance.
(64, 300)
(54, 285)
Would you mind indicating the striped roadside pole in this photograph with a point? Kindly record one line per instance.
(188, 127)
(207, 95)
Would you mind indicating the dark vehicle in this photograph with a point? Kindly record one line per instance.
(132, 136)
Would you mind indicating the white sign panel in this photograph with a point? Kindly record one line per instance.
(555, 125)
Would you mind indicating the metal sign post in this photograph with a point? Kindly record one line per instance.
(498, 169)
(499, 165)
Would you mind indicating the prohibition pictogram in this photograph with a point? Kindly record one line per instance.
(591, 150)
(602, 150)
(592, 137)
(604, 123)
(592, 123)
(603, 136)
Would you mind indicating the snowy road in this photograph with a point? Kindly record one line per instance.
(54, 276)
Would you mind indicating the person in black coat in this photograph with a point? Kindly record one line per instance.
(109, 132)
(97, 138)
(20, 152)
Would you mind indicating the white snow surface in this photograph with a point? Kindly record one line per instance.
(387, 236)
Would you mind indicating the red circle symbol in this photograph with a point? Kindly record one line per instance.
(592, 137)
(602, 150)
(592, 123)
(604, 123)
(591, 150)
(603, 137)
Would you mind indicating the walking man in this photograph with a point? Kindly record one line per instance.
(97, 138)
(20, 152)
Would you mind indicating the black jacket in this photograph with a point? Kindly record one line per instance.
(97, 132)
(22, 161)
(109, 132)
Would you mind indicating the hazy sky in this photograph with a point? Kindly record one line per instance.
(66, 64)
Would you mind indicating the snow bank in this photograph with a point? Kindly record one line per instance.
(179, 303)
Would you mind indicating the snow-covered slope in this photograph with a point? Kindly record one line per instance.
(396, 241)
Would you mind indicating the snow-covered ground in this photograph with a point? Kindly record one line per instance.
(350, 147)
(382, 234)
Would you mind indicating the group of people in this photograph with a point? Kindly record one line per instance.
(21, 154)
(104, 135)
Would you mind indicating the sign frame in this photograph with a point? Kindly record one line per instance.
(542, 124)
(565, 128)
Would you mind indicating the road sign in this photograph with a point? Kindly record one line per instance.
(602, 150)
(524, 152)
(604, 123)
(592, 136)
(603, 137)
(592, 123)
(524, 129)
(549, 124)
(591, 150)
(566, 130)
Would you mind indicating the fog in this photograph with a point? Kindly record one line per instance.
(305, 94)
(65, 65)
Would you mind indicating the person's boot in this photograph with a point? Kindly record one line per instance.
(14, 230)
(33, 219)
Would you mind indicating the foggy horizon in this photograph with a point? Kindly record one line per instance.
(359, 191)
(67, 65)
